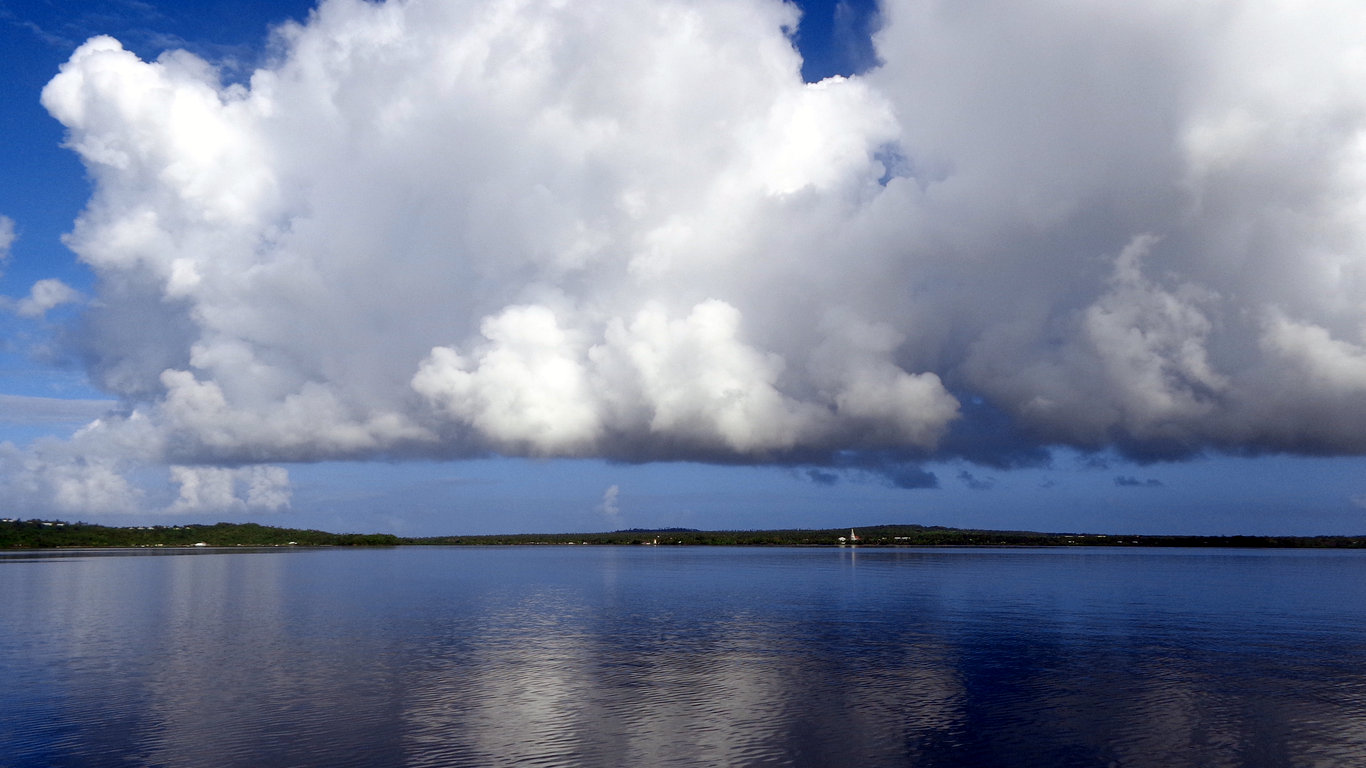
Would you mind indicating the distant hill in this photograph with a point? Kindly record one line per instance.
(40, 534)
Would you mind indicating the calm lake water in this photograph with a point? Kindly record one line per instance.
(647, 656)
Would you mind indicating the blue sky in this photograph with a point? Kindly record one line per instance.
(463, 268)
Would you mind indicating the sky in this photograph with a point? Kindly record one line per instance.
(434, 267)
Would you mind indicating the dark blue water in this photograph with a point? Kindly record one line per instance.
(640, 656)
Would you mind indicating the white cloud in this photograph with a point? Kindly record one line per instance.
(45, 295)
(62, 479)
(611, 505)
(7, 238)
(632, 231)
(527, 389)
(216, 489)
(694, 381)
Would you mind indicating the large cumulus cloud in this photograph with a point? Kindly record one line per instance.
(1151, 216)
(632, 231)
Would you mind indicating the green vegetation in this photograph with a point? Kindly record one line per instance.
(896, 536)
(38, 534)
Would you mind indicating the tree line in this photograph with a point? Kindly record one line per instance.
(42, 534)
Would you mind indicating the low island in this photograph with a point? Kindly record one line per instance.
(50, 534)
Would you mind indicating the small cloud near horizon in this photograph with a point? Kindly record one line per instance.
(610, 505)
(1127, 481)
(821, 476)
(976, 483)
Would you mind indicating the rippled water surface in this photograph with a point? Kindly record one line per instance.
(642, 656)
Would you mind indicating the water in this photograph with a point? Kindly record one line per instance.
(635, 656)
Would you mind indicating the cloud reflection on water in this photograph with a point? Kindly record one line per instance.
(565, 656)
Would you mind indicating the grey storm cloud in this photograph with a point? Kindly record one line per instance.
(633, 231)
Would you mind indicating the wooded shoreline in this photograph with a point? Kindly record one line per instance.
(51, 534)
